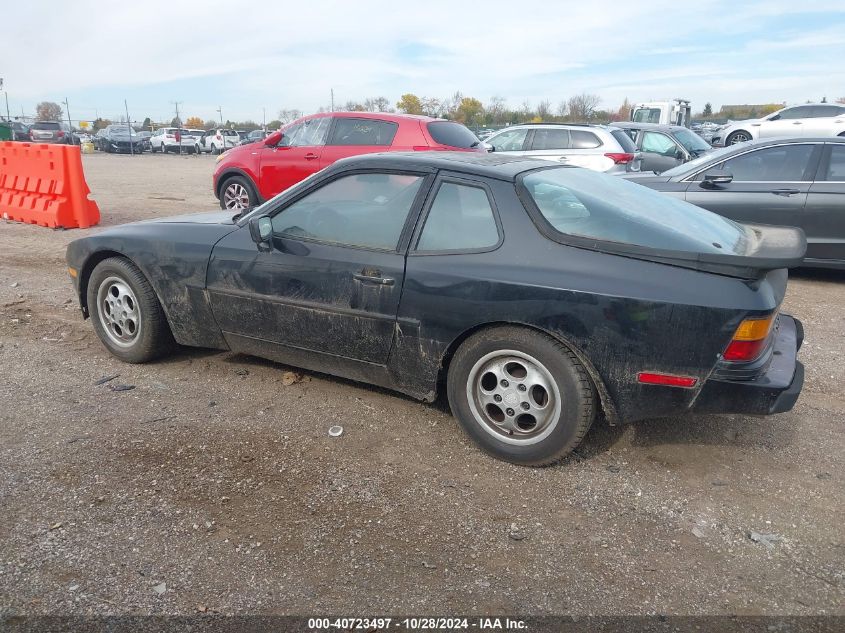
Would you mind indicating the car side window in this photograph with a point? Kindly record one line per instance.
(509, 141)
(581, 139)
(460, 219)
(550, 139)
(658, 143)
(836, 164)
(364, 210)
(771, 164)
(349, 131)
(798, 112)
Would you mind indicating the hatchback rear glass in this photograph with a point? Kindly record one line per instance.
(586, 204)
(452, 134)
(230, 133)
(45, 125)
(625, 141)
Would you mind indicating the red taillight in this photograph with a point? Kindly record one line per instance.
(422, 148)
(620, 158)
(667, 380)
(750, 339)
(60, 134)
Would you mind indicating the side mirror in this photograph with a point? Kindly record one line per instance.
(488, 147)
(716, 177)
(273, 139)
(261, 230)
(679, 154)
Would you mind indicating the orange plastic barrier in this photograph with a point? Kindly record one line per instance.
(44, 184)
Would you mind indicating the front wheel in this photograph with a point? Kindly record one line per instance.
(521, 395)
(126, 312)
(237, 194)
(740, 136)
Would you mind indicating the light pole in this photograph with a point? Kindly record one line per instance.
(69, 124)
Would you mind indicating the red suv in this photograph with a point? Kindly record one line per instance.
(250, 174)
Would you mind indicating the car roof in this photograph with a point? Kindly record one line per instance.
(383, 116)
(553, 124)
(497, 166)
(660, 127)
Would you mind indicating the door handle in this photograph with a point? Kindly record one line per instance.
(796, 123)
(785, 192)
(374, 279)
(310, 156)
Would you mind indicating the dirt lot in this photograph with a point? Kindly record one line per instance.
(212, 485)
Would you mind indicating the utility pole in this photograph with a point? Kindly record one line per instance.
(129, 123)
(6, 92)
(263, 117)
(69, 124)
(332, 99)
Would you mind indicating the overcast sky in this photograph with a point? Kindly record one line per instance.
(246, 56)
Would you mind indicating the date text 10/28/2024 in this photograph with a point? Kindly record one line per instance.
(417, 624)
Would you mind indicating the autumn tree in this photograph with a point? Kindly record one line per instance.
(48, 111)
(288, 115)
(193, 122)
(409, 104)
(210, 124)
(583, 107)
(354, 106)
(544, 110)
(99, 124)
(496, 111)
(469, 111)
(377, 104)
(432, 106)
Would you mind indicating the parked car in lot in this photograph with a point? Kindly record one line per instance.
(811, 120)
(145, 136)
(252, 174)
(172, 139)
(118, 139)
(664, 146)
(796, 182)
(534, 295)
(254, 137)
(596, 147)
(217, 141)
(20, 131)
(49, 132)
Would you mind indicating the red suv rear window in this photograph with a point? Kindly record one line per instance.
(452, 134)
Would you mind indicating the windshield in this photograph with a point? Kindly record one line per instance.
(587, 204)
(646, 115)
(696, 163)
(120, 130)
(691, 141)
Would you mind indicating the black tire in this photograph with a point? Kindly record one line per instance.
(242, 182)
(153, 337)
(153, 149)
(575, 396)
(732, 137)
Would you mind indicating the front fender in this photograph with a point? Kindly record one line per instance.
(174, 259)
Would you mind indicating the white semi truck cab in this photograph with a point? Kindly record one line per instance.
(675, 112)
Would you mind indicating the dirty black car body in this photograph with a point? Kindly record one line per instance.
(431, 273)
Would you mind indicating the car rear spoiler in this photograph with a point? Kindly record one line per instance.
(768, 248)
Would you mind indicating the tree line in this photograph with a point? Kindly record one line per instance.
(496, 112)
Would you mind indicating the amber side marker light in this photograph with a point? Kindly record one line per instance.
(750, 338)
(73, 272)
(667, 380)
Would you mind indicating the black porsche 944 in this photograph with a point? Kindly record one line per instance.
(534, 296)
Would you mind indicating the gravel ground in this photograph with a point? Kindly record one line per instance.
(212, 486)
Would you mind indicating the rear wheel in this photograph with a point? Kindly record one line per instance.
(237, 194)
(521, 395)
(153, 149)
(126, 312)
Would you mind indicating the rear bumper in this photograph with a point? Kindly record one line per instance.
(775, 391)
